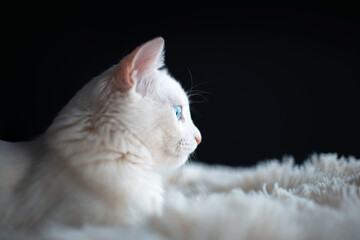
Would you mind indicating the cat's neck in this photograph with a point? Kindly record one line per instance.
(75, 137)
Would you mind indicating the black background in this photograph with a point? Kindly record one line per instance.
(276, 78)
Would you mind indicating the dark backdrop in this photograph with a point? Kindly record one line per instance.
(277, 78)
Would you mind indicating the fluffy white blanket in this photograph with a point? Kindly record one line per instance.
(274, 200)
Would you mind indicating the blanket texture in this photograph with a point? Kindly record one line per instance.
(319, 199)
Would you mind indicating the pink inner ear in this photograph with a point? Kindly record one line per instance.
(144, 59)
(150, 56)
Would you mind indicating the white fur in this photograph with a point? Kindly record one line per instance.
(95, 163)
(319, 199)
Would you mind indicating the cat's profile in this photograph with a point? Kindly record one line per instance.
(95, 163)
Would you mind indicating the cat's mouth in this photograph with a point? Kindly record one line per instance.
(186, 147)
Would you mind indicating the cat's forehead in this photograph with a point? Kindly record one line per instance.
(170, 90)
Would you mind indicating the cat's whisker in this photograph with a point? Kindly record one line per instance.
(200, 94)
(191, 79)
(194, 102)
(200, 91)
(197, 94)
(192, 158)
(192, 88)
(194, 92)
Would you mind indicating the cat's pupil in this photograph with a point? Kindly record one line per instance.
(178, 111)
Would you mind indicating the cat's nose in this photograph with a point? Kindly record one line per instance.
(198, 139)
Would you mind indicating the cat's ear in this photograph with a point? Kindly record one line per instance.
(143, 60)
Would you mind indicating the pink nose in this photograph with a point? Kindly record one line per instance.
(198, 139)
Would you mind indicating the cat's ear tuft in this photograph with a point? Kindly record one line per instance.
(143, 60)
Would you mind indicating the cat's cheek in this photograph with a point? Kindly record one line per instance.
(179, 156)
(170, 157)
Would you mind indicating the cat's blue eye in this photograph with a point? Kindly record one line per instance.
(178, 111)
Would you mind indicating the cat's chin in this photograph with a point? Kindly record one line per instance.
(180, 161)
(173, 161)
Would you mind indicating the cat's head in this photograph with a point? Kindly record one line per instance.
(139, 101)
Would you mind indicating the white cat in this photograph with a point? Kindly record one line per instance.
(95, 163)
